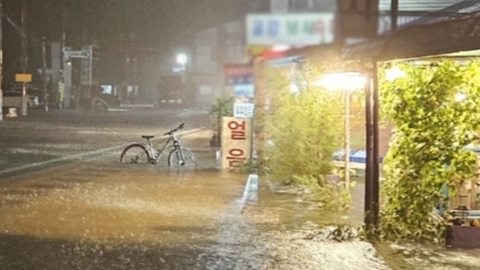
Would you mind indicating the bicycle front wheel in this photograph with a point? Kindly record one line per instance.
(175, 158)
(135, 153)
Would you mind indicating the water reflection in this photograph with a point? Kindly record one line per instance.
(296, 210)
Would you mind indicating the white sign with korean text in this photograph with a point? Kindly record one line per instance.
(77, 54)
(236, 141)
(243, 110)
(303, 29)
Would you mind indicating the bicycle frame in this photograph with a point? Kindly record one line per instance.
(158, 154)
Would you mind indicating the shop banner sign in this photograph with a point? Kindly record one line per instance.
(305, 29)
(236, 141)
(239, 74)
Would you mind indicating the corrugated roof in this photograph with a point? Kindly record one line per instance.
(384, 5)
(422, 40)
(420, 5)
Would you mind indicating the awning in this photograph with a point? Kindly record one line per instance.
(462, 34)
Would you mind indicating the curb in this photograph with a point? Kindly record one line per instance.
(84, 156)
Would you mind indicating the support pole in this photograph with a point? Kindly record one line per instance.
(372, 175)
(1, 61)
(44, 77)
(369, 148)
(394, 15)
(260, 107)
(24, 41)
(347, 138)
(375, 154)
(24, 56)
(65, 102)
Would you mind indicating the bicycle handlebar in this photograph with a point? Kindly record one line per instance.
(182, 125)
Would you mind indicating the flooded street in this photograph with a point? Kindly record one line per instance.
(104, 215)
(91, 212)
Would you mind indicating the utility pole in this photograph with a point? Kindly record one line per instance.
(1, 62)
(64, 34)
(394, 15)
(24, 55)
(65, 100)
(44, 70)
(24, 45)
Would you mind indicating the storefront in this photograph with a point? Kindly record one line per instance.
(457, 39)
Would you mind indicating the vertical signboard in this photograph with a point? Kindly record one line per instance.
(236, 141)
(86, 71)
(56, 54)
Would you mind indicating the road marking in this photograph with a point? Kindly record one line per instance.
(83, 155)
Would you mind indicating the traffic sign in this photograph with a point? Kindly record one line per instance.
(24, 78)
(78, 54)
(86, 68)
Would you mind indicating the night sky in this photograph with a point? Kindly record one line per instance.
(161, 24)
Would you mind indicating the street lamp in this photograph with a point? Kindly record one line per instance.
(182, 59)
(346, 81)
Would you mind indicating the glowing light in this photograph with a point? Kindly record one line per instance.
(460, 97)
(348, 80)
(294, 88)
(281, 48)
(182, 59)
(394, 73)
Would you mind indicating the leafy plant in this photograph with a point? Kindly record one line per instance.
(436, 114)
(302, 130)
(221, 107)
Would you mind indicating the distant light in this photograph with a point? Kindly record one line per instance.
(178, 69)
(182, 59)
(281, 48)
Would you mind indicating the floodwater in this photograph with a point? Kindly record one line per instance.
(104, 215)
(98, 214)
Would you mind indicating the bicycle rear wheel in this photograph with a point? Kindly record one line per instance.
(135, 153)
(175, 158)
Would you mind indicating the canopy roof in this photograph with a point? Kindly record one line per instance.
(439, 38)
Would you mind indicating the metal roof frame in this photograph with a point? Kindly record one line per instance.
(443, 38)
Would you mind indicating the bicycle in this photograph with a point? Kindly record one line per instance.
(178, 156)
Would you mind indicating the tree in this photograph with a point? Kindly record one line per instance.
(304, 127)
(435, 111)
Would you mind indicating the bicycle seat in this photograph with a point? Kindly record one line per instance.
(148, 137)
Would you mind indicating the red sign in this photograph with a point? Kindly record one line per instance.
(237, 74)
(236, 141)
